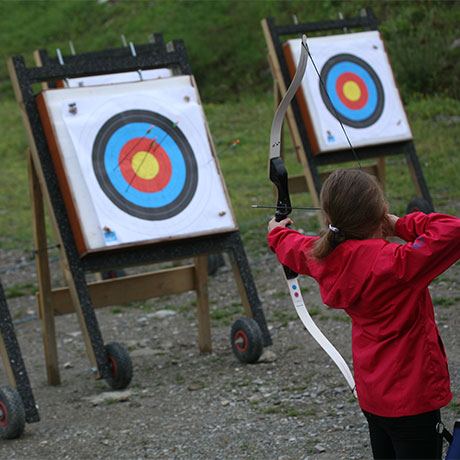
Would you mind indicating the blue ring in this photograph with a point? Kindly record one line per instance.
(111, 158)
(334, 74)
(109, 141)
(336, 66)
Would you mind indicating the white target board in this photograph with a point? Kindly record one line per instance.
(138, 161)
(357, 87)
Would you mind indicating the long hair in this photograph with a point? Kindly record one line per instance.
(355, 207)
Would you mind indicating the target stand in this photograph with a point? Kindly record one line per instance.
(99, 242)
(17, 404)
(357, 87)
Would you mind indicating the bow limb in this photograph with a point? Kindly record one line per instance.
(277, 124)
(277, 169)
(321, 339)
(278, 175)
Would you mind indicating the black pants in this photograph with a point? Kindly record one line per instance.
(412, 437)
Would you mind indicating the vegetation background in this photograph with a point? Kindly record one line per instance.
(227, 50)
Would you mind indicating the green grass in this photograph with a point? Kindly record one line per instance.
(290, 411)
(15, 216)
(436, 136)
(21, 289)
(245, 166)
(445, 301)
(224, 38)
(227, 50)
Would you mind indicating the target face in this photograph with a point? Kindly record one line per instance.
(352, 91)
(145, 165)
(349, 92)
(138, 162)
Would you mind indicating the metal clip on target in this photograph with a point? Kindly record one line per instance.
(133, 52)
(61, 62)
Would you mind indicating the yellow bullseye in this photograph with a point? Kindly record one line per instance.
(351, 91)
(145, 165)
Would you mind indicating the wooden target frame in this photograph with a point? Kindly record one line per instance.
(299, 119)
(82, 297)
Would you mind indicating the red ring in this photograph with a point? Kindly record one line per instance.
(133, 146)
(340, 83)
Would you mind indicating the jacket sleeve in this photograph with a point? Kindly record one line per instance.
(433, 245)
(291, 248)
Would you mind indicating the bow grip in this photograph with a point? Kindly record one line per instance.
(278, 175)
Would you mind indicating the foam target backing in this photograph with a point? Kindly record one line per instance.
(120, 77)
(356, 95)
(138, 161)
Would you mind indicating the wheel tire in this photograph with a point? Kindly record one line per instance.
(112, 274)
(246, 339)
(418, 204)
(120, 364)
(12, 413)
(215, 261)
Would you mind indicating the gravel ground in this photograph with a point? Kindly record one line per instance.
(293, 404)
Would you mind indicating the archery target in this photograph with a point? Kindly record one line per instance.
(144, 163)
(139, 163)
(356, 95)
(352, 91)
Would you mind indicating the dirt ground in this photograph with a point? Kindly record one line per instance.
(292, 404)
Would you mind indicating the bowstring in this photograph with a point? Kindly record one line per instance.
(335, 110)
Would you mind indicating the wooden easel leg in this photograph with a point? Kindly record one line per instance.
(43, 276)
(415, 170)
(75, 278)
(204, 323)
(241, 288)
(381, 171)
(86, 318)
(6, 363)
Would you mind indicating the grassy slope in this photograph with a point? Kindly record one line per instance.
(208, 29)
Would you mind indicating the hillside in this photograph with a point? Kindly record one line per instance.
(224, 38)
(227, 51)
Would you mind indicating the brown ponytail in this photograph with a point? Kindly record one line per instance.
(355, 207)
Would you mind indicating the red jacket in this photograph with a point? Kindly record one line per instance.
(399, 360)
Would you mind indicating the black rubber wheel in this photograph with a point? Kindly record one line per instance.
(120, 364)
(12, 413)
(419, 204)
(246, 339)
(112, 274)
(215, 261)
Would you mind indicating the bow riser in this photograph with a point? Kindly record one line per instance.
(279, 176)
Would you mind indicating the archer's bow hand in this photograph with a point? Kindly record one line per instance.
(284, 223)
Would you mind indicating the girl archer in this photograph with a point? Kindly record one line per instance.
(399, 361)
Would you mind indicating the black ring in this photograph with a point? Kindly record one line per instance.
(152, 118)
(327, 100)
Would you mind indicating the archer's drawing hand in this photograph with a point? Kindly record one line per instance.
(284, 223)
(389, 224)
